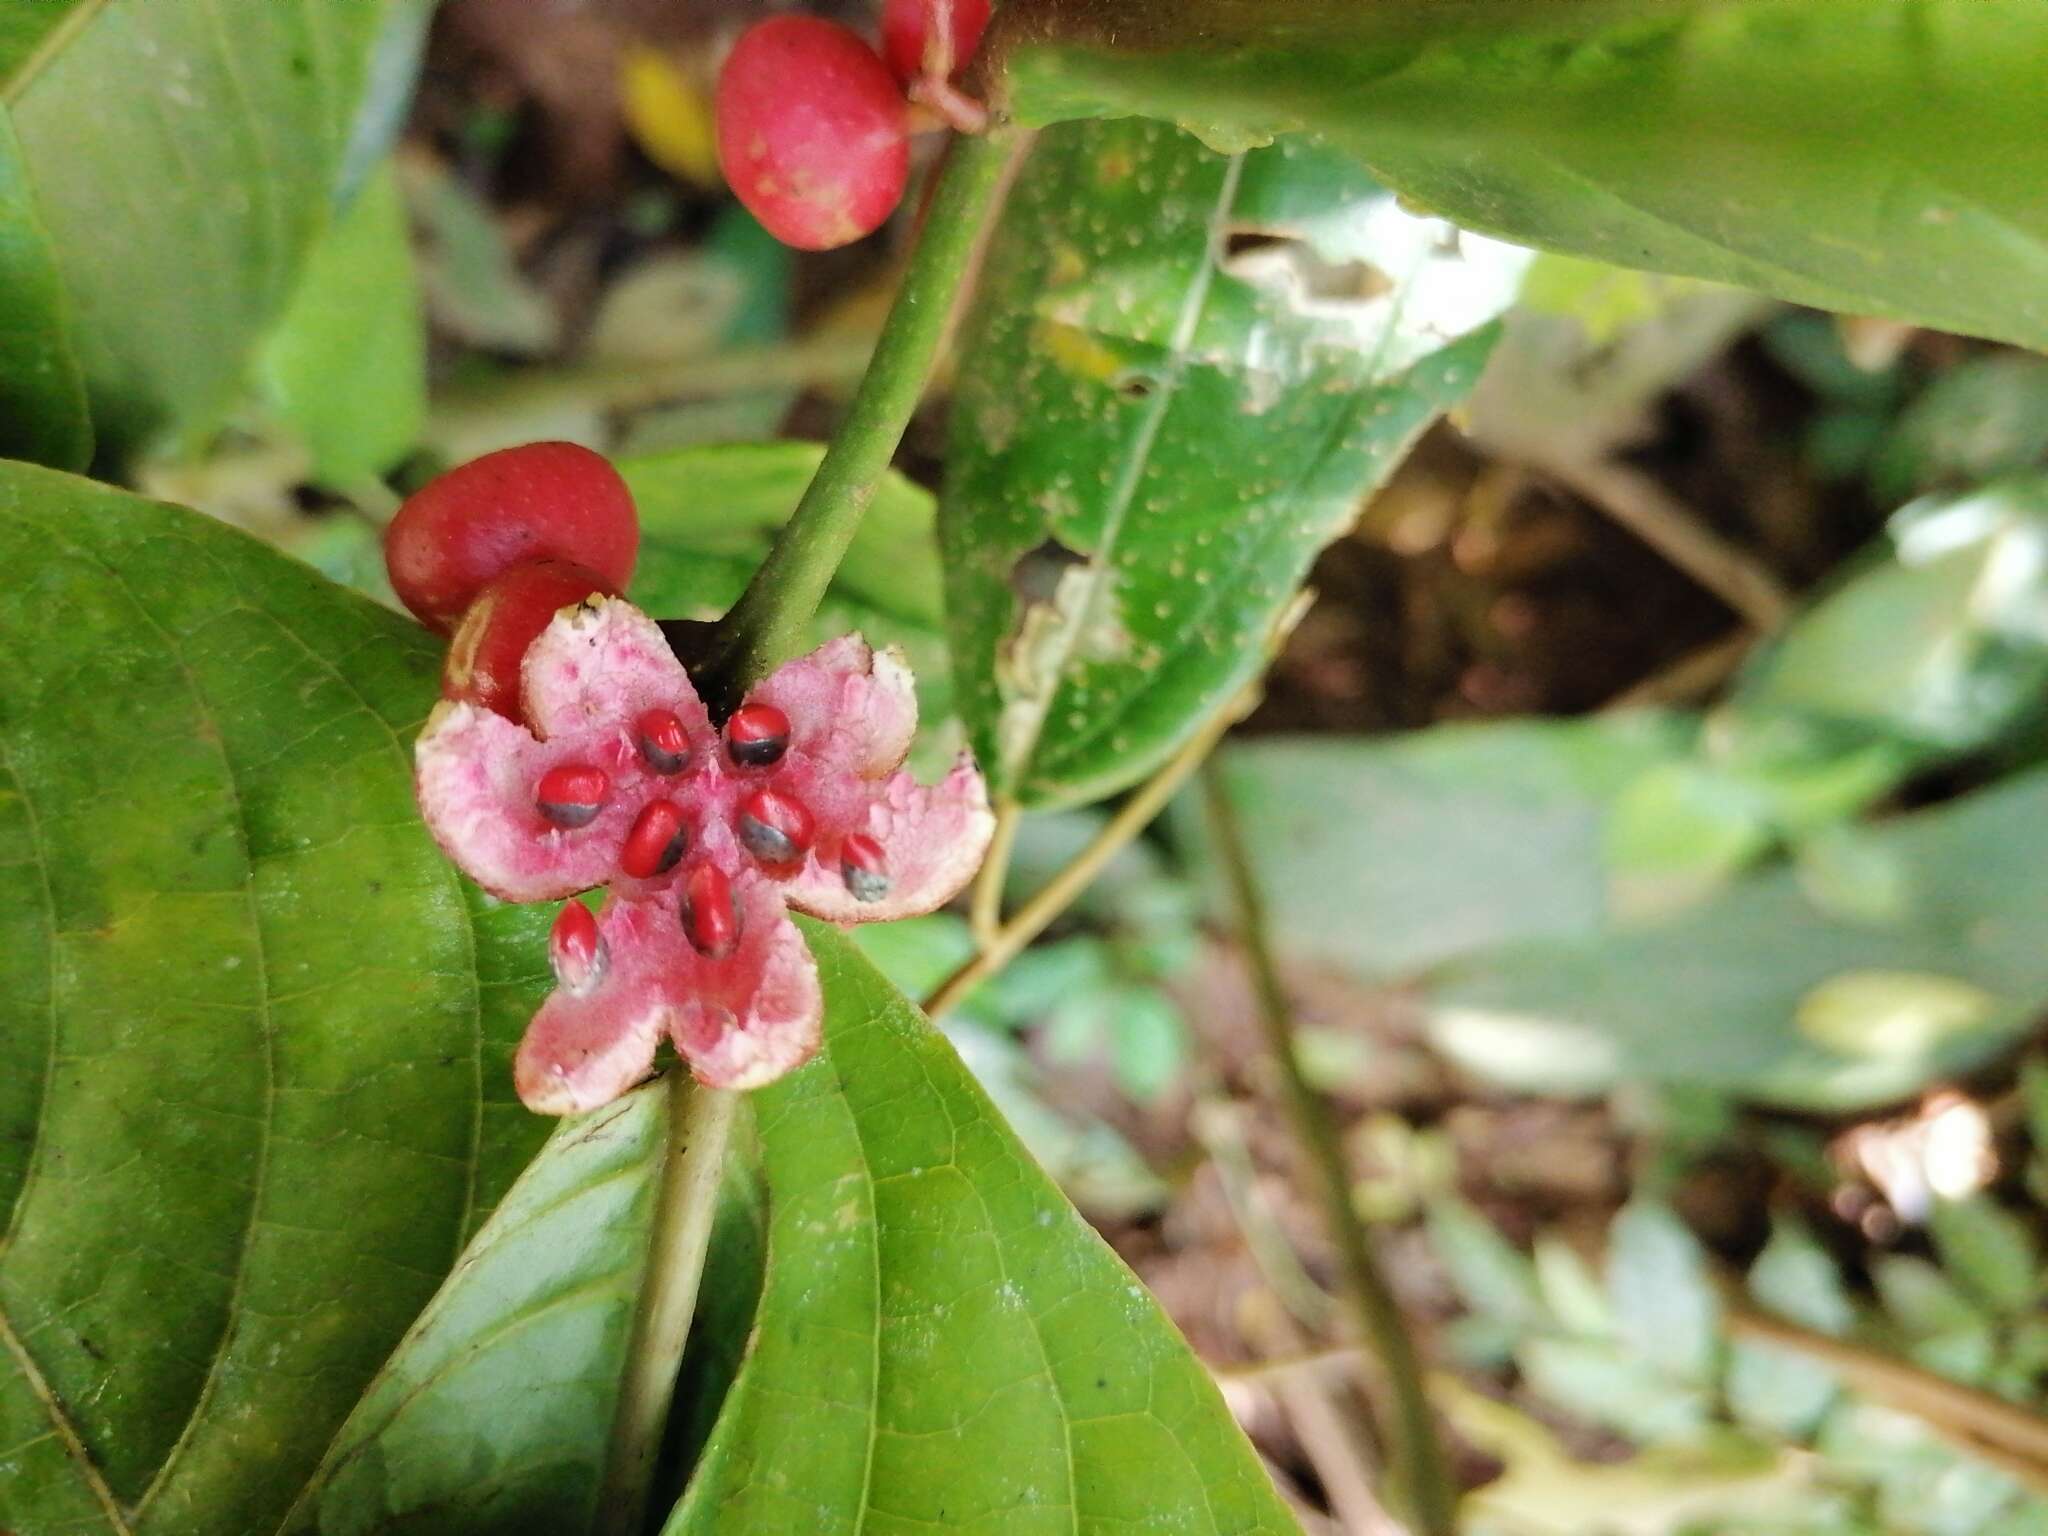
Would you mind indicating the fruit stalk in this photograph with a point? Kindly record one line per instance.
(770, 622)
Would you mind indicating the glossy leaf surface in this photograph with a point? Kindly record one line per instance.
(254, 1089)
(942, 1342)
(1885, 156)
(184, 158)
(1187, 370)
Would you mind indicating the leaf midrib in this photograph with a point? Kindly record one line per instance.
(1019, 763)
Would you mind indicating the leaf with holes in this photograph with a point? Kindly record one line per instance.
(184, 158)
(1187, 371)
(1883, 157)
(254, 1089)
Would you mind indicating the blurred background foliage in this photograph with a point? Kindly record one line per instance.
(1652, 804)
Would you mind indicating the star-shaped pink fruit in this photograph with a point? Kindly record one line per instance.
(700, 836)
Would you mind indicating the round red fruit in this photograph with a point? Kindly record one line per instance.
(664, 744)
(507, 617)
(812, 132)
(931, 38)
(864, 868)
(544, 501)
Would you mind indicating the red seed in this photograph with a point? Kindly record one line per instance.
(658, 841)
(863, 868)
(931, 38)
(776, 828)
(664, 744)
(812, 134)
(501, 626)
(576, 950)
(757, 735)
(543, 501)
(571, 796)
(710, 921)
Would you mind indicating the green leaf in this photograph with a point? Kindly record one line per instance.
(1983, 418)
(185, 158)
(255, 1088)
(1187, 371)
(731, 499)
(1664, 1304)
(1766, 993)
(1884, 157)
(1395, 855)
(43, 414)
(1492, 1276)
(498, 1405)
(347, 366)
(1774, 1389)
(942, 1342)
(1991, 1251)
(1933, 645)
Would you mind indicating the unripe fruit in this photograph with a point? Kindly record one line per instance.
(572, 795)
(658, 841)
(710, 921)
(664, 744)
(542, 501)
(812, 134)
(863, 868)
(776, 828)
(576, 950)
(932, 38)
(507, 617)
(757, 735)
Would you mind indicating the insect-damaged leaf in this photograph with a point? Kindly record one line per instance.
(1187, 370)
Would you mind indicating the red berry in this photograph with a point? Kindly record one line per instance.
(931, 37)
(757, 735)
(863, 868)
(776, 828)
(811, 132)
(576, 949)
(710, 921)
(657, 843)
(572, 795)
(507, 617)
(664, 744)
(544, 501)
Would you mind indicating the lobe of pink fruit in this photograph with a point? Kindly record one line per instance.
(622, 781)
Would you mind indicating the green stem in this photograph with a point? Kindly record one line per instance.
(699, 1127)
(771, 621)
(1410, 1438)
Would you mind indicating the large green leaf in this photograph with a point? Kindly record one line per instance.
(1186, 371)
(254, 1080)
(1882, 156)
(942, 1343)
(184, 158)
(1777, 990)
(495, 1413)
